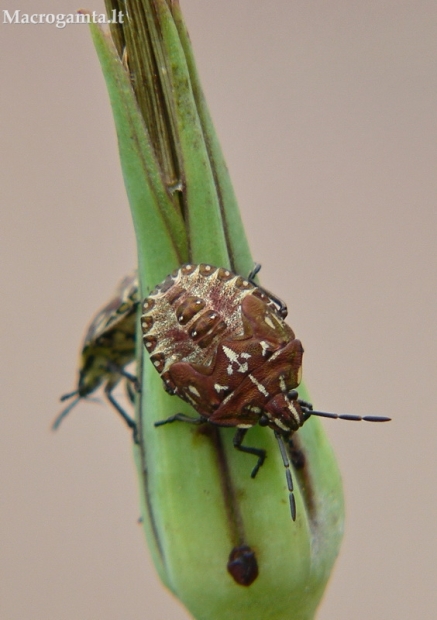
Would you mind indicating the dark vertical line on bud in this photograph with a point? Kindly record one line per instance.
(242, 564)
(303, 475)
(234, 519)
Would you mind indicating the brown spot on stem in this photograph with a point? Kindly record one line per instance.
(242, 565)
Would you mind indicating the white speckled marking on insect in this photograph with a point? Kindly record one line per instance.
(280, 424)
(233, 358)
(290, 405)
(264, 347)
(259, 385)
(269, 322)
(293, 411)
(227, 398)
(275, 355)
(218, 388)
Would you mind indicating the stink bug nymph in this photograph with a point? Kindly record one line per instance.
(220, 343)
(108, 347)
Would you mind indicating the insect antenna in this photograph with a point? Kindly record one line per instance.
(345, 416)
(65, 411)
(286, 463)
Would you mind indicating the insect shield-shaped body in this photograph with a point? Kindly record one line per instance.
(220, 343)
(108, 347)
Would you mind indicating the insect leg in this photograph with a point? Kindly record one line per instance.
(259, 452)
(282, 306)
(130, 391)
(65, 411)
(129, 421)
(68, 396)
(254, 272)
(127, 375)
(180, 417)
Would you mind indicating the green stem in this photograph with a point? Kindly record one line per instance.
(198, 500)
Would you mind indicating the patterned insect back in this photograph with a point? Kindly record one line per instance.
(110, 339)
(108, 347)
(220, 343)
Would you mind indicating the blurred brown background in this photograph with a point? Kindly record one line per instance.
(327, 115)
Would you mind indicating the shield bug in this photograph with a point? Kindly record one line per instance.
(108, 347)
(220, 343)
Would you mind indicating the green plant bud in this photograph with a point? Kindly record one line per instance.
(223, 543)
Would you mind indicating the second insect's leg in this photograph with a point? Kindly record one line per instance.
(129, 421)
